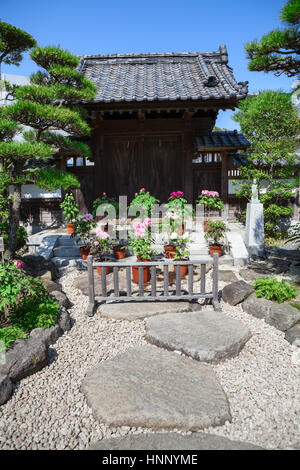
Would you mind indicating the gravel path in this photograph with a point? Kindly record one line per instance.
(48, 411)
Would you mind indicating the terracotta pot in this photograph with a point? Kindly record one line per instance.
(215, 249)
(180, 230)
(169, 251)
(135, 272)
(205, 226)
(119, 254)
(183, 269)
(99, 268)
(84, 252)
(105, 229)
(70, 228)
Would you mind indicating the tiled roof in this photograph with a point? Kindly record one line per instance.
(163, 76)
(222, 139)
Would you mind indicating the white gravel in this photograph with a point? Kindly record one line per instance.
(48, 411)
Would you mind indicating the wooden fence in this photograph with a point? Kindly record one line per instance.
(154, 294)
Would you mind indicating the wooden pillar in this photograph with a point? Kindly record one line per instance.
(224, 184)
(188, 153)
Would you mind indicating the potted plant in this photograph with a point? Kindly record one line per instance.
(216, 231)
(171, 224)
(100, 249)
(140, 242)
(211, 201)
(82, 229)
(177, 204)
(144, 200)
(182, 254)
(70, 210)
(107, 203)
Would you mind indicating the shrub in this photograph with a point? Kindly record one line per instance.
(70, 208)
(216, 231)
(9, 335)
(272, 289)
(144, 200)
(35, 312)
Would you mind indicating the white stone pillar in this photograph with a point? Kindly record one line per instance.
(255, 233)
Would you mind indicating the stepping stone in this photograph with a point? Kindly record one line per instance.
(227, 276)
(153, 388)
(172, 441)
(138, 310)
(206, 336)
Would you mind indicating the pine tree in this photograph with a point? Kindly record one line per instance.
(48, 105)
(278, 51)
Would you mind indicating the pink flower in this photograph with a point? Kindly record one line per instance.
(142, 189)
(19, 264)
(140, 232)
(101, 234)
(137, 224)
(104, 193)
(147, 222)
(96, 243)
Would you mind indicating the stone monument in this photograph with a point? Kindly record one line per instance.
(255, 234)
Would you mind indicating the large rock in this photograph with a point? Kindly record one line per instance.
(6, 389)
(250, 274)
(25, 357)
(172, 441)
(292, 335)
(206, 336)
(50, 286)
(38, 266)
(281, 316)
(64, 320)
(236, 292)
(137, 310)
(61, 298)
(48, 336)
(150, 387)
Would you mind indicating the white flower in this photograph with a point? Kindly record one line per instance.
(174, 236)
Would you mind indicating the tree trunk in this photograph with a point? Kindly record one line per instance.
(14, 220)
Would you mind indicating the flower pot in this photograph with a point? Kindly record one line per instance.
(70, 228)
(85, 251)
(170, 251)
(135, 272)
(105, 228)
(119, 253)
(215, 249)
(205, 226)
(183, 269)
(180, 230)
(99, 268)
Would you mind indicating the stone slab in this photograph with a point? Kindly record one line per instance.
(150, 387)
(227, 276)
(281, 316)
(206, 336)
(139, 310)
(236, 292)
(172, 441)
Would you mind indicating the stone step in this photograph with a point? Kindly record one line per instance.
(66, 240)
(70, 261)
(66, 251)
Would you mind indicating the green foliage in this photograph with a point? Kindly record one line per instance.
(295, 235)
(83, 227)
(142, 247)
(52, 179)
(25, 150)
(144, 200)
(272, 289)
(211, 200)
(8, 129)
(106, 202)
(35, 312)
(271, 124)
(9, 335)
(13, 42)
(278, 51)
(181, 251)
(216, 231)
(70, 208)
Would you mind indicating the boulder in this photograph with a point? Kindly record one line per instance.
(6, 388)
(25, 357)
(236, 292)
(61, 298)
(37, 266)
(138, 310)
(207, 336)
(281, 316)
(150, 387)
(250, 274)
(64, 320)
(172, 441)
(48, 336)
(292, 335)
(50, 286)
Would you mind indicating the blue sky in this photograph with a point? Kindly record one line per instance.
(124, 26)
